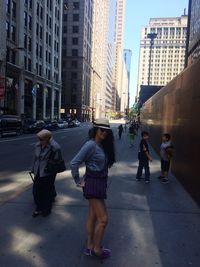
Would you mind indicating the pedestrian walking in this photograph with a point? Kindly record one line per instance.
(125, 127)
(120, 131)
(166, 152)
(131, 134)
(47, 162)
(144, 158)
(98, 155)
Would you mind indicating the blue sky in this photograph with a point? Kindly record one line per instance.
(138, 14)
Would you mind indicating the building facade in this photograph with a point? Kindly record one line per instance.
(162, 58)
(33, 58)
(127, 60)
(118, 54)
(99, 57)
(76, 58)
(193, 45)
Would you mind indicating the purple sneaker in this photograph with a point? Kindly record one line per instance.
(88, 252)
(105, 253)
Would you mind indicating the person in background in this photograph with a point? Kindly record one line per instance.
(131, 134)
(166, 151)
(120, 131)
(98, 155)
(144, 158)
(43, 186)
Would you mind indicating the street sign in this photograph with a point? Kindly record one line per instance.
(2, 87)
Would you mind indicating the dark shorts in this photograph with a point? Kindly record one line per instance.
(165, 165)
(95, 185)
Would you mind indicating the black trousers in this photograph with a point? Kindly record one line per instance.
(44, 193)
(143, 164)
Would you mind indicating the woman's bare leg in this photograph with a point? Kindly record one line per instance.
(100, 210)
(90, 226)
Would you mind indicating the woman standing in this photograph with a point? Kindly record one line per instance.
(98, 155)
(43, 187)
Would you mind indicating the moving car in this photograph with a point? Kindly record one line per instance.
(10, 124)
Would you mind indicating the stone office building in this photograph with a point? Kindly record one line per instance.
(33, 58)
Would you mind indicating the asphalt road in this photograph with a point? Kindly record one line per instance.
(150, 225)
(16, 155)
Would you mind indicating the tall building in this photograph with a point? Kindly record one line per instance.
(162, 57)
(33, 58)
(118, 54)
(127, 60)
(76, 58)
(99, 57)
(2, 53)
(193, 44)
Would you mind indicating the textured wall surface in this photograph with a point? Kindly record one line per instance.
(176, 109)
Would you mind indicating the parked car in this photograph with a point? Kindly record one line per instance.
(71, 124)
(62, 124)
(52, 125)
(35, 127)
(77, 123)
(10, 124)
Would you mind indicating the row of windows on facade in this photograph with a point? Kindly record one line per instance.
(28, 44)
(75, 17)
(169, 51)
(167, 30)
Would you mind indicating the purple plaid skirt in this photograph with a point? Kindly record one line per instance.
(95, 184)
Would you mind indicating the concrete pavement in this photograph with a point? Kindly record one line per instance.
(149, 225)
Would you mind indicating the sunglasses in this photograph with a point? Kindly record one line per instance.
(103, 130)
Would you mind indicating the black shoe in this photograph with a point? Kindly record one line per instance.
(164, 180)
(36, 213)
(46, 213)
(138, 179)
(160, 177)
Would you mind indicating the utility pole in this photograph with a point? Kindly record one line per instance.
(151, 36)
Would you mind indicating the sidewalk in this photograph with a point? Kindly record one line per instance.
(149, 225)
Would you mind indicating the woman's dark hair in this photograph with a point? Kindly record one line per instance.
(107, 144)
(168, 136)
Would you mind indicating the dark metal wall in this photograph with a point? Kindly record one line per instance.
(176, 109)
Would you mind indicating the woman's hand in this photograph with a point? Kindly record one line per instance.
(81, 183)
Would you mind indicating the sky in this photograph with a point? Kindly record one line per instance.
(138, 14)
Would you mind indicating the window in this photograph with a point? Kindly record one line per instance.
(25, 62)
(13, 56)
(37, 49)
(13, 9)
(25, 40)
(74, 64)
(8, 6)
(65, 29)
(40, 32)
(74, 75)
(29, 22)
(37, 29)
(25, 19)
(30, 4)
(29, 64)
(29, 44)
(13, 33)
(75, 41)
(38, 9)
(40, 51)
(65, 17)
(8, 29)
(76, 5)
(64, 41)
(74, 52)
(41, 12)
(75, 29)
(75, 17)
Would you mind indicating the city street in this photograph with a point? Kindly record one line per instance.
(16, 155)
(149, 224)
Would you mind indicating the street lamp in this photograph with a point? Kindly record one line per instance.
(151, 36)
